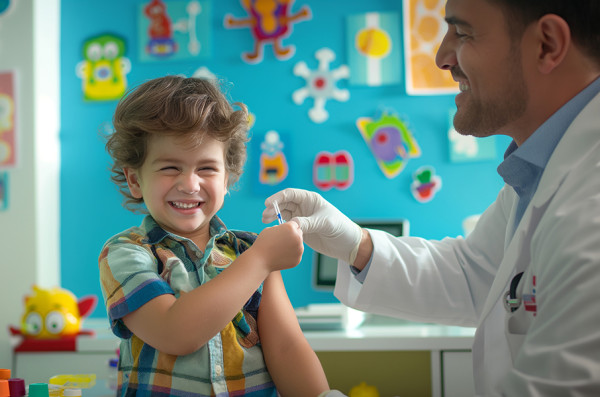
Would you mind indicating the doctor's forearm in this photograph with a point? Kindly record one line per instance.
(365, 250)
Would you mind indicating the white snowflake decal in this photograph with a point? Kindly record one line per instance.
(321, 84)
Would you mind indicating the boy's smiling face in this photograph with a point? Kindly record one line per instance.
(182, 187)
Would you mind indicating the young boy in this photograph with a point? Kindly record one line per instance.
(201, 310)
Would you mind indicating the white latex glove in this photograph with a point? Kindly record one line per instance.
(332, 393)
(325, 228)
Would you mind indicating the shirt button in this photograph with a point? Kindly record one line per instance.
(218, 369)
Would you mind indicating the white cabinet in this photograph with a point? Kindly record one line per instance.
(37, 367)
(457, 374)
(447, 347)
(91, 357)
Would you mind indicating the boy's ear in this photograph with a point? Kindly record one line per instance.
(227, 183)
(133, 182)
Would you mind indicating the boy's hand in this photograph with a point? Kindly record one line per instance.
(280, 247)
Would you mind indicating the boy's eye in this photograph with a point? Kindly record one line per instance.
(169, 168)
(208, 169)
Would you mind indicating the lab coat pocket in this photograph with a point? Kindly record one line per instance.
(517, 325)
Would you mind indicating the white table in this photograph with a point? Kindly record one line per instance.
(449, 347)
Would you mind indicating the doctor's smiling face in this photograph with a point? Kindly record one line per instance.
(486, 62)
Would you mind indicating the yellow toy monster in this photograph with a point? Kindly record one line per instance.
(53, 318)
(363, 390)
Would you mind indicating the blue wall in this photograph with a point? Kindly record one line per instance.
(91, 208)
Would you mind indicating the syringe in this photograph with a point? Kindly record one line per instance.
(279, 218)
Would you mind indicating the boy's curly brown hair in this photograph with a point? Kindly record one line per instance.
(187, 108)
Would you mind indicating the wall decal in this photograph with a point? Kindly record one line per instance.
(424, 29)
(104, 68)
(390, 141)
(425, 184)
(174, 30)
(4, 191)
(8, 129)
(374, 48)
(273, 162)
(321, 84)
(270, 21)
(5, 7)
(333, 170)
(204, 73)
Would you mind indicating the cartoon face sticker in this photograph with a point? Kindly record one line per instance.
(104, 68)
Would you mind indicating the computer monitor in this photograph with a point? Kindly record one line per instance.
(325, 267)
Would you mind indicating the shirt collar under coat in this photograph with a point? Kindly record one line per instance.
(523, 165)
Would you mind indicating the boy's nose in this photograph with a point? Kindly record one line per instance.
(188, 184)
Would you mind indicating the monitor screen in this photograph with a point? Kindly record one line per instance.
(325, 268)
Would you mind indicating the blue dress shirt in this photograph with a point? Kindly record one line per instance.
(524, 165)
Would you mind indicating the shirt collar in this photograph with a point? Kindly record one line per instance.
(538, 148)
(156, 233)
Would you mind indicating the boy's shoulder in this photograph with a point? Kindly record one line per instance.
(246, 236)
(138, 235)
(133, 235)
(243, 239)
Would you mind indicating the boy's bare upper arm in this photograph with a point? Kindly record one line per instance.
(148, 322)
(277, 321)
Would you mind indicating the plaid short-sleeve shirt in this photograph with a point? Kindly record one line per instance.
(144, 262)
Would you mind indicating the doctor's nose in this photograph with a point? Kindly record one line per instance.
(445, 58)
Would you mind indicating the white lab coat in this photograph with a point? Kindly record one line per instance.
(550, 346)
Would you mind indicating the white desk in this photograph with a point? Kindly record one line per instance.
(449, 348)
(91, 357)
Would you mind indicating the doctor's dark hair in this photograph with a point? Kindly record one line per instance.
(582, 16)
(186, 108)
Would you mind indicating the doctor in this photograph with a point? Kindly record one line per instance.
(528, 276)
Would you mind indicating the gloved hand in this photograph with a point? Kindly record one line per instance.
(332, 393)
(325, 228)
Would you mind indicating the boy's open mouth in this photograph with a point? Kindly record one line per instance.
(180, 205)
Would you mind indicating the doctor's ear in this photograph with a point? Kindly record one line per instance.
(133, 182)
(554, 41)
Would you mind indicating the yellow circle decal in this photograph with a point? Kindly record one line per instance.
(373, 42)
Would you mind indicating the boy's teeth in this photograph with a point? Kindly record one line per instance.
(463, 87)
(184, 205)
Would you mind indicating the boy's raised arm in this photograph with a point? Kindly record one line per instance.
(181, 326)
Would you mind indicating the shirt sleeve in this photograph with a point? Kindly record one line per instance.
(129, 279)
(361, 275)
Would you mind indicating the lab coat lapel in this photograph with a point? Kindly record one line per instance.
(579, 137)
